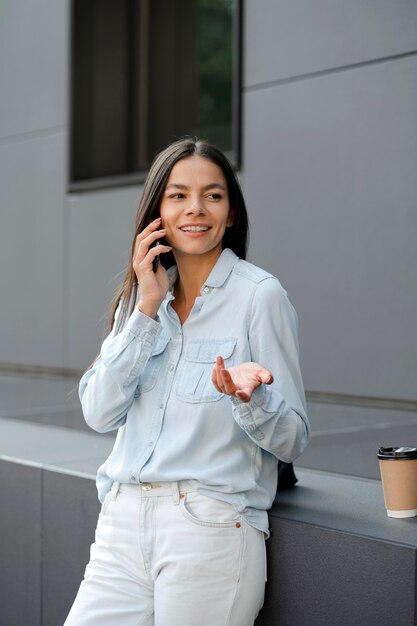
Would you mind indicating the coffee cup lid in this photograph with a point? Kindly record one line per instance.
(397, 453)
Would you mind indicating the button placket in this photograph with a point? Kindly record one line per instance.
(174, 358)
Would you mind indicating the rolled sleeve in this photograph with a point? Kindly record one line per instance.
(275, 417)
(126, 354)
(107, 389)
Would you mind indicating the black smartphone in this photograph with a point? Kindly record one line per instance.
(155, 262)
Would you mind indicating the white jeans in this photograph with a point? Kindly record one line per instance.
(164, 555)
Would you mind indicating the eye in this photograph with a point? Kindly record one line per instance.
(215, 196)
(177, 196)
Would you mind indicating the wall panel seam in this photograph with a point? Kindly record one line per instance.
(32, 134)
(325, 72)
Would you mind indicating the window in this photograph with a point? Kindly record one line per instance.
(146, 72)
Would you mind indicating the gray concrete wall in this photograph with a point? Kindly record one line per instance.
(99, 231)
(33, 170)
(329, 151)
(46, 532)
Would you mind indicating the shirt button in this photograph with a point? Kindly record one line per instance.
(133, 478)
(161, 406)
(171, 369)
(150, 444)
(206, 289)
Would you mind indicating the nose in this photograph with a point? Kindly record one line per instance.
(196, 206)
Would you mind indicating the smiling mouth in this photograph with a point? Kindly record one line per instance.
(194, 229)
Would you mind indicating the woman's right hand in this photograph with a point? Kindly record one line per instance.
(153, 285)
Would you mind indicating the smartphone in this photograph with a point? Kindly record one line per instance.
(155, 262)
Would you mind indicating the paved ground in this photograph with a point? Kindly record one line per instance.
(345, 439)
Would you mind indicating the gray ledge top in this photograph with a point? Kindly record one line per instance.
(345, 504)
(53, 447)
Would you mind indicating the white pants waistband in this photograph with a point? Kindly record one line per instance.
(154, 490)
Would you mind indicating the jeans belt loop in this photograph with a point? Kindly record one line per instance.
(175, 493)
(114, 490)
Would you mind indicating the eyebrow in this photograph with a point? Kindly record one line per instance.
(205, 188)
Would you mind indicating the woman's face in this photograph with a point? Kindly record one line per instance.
(195, 208)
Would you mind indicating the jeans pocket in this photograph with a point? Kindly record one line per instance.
(205, 511)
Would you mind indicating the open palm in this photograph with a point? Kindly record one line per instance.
(240, 380)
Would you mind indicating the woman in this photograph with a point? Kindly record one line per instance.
(200, 375)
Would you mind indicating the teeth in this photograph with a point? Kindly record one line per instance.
(194, 229)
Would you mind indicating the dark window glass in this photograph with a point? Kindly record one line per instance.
(145, 72)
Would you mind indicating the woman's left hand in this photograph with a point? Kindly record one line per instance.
(240, 380)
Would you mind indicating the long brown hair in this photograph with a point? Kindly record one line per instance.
(236, 236)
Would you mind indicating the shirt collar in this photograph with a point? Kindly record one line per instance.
(218, 274)
(222, 268)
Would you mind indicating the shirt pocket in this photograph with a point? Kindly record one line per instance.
(149, 375)
(194, 380)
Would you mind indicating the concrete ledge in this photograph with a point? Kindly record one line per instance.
(48, 518)
(334, 555)
(46, 531)
(336, 558)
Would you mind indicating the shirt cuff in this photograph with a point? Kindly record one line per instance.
(245, 412)
(257, 400)
(139, 323)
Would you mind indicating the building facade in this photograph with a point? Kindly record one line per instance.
(328, 167)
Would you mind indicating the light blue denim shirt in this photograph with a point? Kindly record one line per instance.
(152, 382)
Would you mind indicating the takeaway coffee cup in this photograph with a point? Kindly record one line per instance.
(398, 468)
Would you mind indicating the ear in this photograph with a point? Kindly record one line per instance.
(231, 218)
